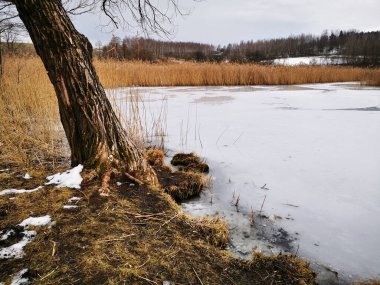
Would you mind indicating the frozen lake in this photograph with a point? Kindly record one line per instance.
(312, 151)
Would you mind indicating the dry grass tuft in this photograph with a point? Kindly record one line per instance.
(283, 263)
(184, 185)
(155, 157)
(180, 185)
(214, 230)
(189, 162)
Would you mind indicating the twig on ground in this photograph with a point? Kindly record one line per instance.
(50, 273)
(147, 280)
(262, 205)
(133, 179)
(196, 274)
(168, 221)
(291, 205)
(142, 265)
(117, 239)
(53, 250)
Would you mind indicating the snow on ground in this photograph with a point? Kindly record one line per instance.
(18, 278)
(4, 170)
(70, 206)
(16, 250)
(36, 221)
(6, 234)
(19, 191)
(27, 176)
(70, 178)
(311, 60)
(74, 199)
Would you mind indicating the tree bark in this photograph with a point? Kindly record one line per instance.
(95, 135)
(1, 59)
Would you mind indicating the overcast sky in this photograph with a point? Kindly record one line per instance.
(227, 21)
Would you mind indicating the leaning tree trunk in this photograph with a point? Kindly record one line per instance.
(95, 135)
(1, 59)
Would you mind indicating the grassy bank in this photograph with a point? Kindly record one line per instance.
(138, 235)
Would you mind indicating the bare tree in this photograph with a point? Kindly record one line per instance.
(96, 137)
(10, 28)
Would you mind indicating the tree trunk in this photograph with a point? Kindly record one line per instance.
(95, 135)
(1, 59)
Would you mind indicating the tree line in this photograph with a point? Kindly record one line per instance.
(139, 48)
(354, 48)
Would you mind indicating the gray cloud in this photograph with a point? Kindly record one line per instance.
(224, 21)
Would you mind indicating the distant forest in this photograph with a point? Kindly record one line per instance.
(356, 48)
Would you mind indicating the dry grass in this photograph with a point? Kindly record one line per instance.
(126, 73)
(372, 77)
(155, 157)
(367, 282)
(189, 162)
(180, 185)
(136, 236)
(30, 129)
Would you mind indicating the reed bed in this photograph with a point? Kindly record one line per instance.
(372, 77)
(30, 129)
(126, 73)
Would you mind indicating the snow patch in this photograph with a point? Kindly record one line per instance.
(311, 60)
(7, 234)
(16, 250)
(18, 278)
(4, 170)
(74, 199)
(70, 178)
(70, 206)
(27, 176)
(19, 191)
(36, 221)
